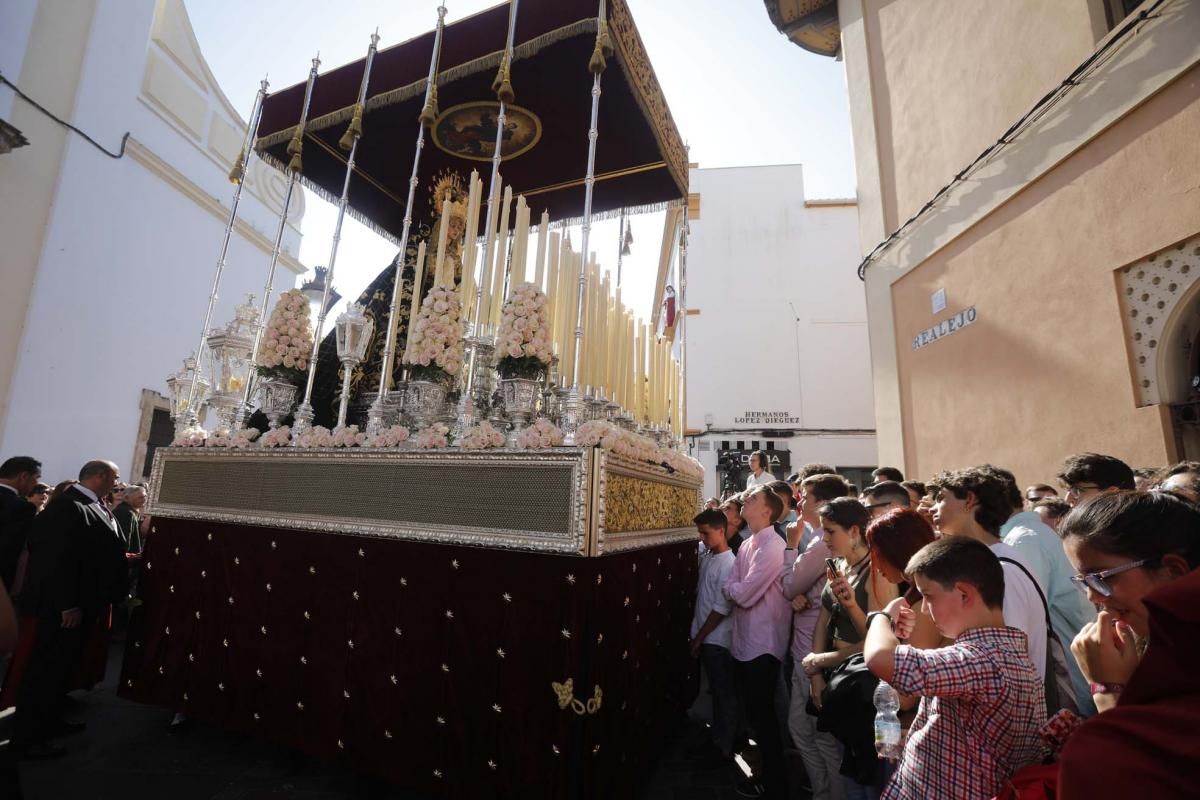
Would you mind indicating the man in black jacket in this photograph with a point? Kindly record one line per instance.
(19, 476)
(76, 569)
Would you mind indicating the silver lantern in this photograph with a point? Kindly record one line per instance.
(187, 389)
(230, 352)
(353, 333)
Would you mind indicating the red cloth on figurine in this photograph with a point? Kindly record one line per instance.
(1147, 745)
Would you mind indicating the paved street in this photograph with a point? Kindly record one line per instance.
(129, 753)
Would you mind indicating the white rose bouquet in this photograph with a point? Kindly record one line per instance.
(436, 435)
(287, 341)
(316, 436)
(348, 436)
(523, 346)
(542, 433)
(481, 437)
(389, 437)
(277, 437)
(434, 351)
(191, 437)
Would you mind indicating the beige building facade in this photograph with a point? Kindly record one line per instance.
(1029, 208)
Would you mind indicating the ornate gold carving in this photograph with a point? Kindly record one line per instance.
(635, 504)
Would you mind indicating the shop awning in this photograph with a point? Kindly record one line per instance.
(641, 162)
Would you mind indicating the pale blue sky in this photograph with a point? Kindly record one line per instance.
(740, 93)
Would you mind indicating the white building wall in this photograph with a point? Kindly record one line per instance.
(781, 328)
(131, 245)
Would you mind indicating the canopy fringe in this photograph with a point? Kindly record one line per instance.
(399, 95)
(331, 198)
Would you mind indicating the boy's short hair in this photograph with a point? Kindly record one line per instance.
(784, 490)
(1010, 485)
(710, 517)
(734, 500)
(772, 499)
(1056, 508)
(954, 559)
(887, 474)
(991, 493)
(814, 468)
(890, 492)
(1032, 492)
(915, 486)
(1104, 471)
(825, 487)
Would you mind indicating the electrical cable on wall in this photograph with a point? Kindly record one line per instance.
(64, 123)
(1048, 101)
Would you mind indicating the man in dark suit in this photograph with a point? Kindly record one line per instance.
(19, 476)
(76, 569)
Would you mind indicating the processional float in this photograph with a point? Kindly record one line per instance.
(467, 563)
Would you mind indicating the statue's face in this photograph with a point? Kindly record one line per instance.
(456, 229)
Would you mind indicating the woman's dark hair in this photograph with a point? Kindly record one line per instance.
(784, 490)
(847, 512)
(915, 486)
(762, 460)
(1137, 525)
(897, 536)
(991, 493)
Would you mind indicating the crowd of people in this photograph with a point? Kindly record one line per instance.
(68, 557)
(1037, 645)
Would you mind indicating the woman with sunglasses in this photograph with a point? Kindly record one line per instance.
(1124, 546)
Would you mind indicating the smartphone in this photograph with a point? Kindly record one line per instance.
(831, 566)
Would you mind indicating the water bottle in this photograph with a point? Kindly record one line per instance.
(887, 724)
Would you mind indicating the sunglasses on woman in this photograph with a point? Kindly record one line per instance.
(1098, 581)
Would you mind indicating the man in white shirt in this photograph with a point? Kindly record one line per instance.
(974, 502)
(759, 474)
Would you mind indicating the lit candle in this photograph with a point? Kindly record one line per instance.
(540, 260)
(414, 305)
(485, 280)
(439, 269)
(501, 256)
(467, 285)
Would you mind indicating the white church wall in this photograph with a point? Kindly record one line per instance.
(129, 251)
(779, 345)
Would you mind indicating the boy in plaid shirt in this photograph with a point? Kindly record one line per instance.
(982, 701)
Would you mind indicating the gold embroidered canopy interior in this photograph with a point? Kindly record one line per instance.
(641, 162)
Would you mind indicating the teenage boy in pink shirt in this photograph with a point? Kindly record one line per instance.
(762, 619)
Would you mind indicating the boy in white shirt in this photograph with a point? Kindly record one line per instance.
(712, 628)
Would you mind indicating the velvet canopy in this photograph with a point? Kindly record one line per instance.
(641, 162)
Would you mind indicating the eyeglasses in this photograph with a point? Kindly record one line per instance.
(1079, 488)
(1098, 581)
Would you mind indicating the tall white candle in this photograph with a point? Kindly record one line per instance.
(501, 256)
(439, 269)
(414, 304)
(485, 280)
(467, 286)
(543, 243)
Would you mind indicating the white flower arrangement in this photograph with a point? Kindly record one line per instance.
(316, 436)
(635, 446)
(388, 437)
(237, 440)
(435, 339)
(276, 437)
(523, 346)
(435, 436)
(287, 340)
(542, 433)
(348, 436)
(481, 437)
(191, 437)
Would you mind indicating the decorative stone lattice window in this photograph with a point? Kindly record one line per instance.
(1151, 292)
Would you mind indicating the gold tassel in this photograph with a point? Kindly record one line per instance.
(239, 168)
(294, 148)
(605, 41)
(597, 64)
(502, 86)
(429, 113)
(354, 130)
